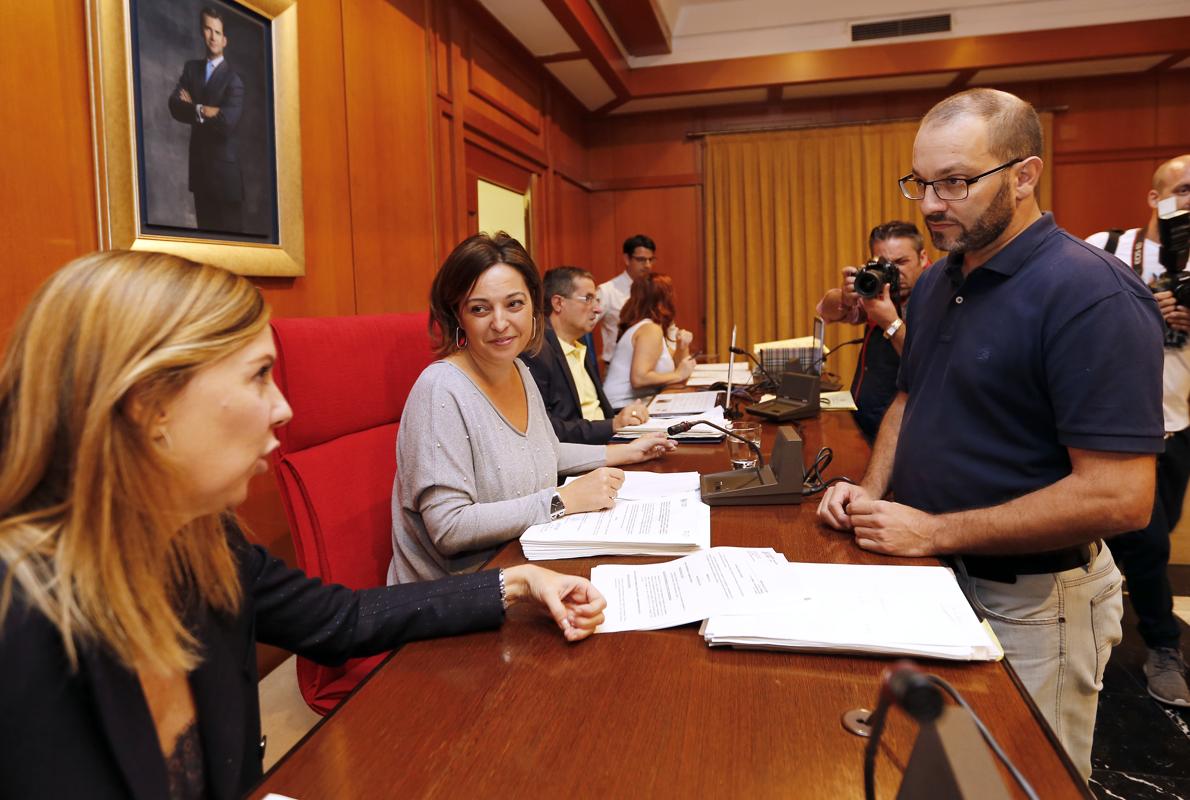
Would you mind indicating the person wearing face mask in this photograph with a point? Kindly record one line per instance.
(1143, 554)
(136, 403)
(477, 457)
(567, 378)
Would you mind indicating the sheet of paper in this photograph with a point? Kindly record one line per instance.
(642, 485)
(661, 424)
(864, 608)
(836, 401)
(716, 581)
(672, 403)
(672, 525)
(742, 378)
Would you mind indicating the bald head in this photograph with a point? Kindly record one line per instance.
(1167, 176)
(1013, 127)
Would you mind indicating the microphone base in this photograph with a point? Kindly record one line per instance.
(777, 483)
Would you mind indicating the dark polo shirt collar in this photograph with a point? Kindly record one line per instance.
(1012, 257)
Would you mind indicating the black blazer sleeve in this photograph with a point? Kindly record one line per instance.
(560, 401)
(331, 623)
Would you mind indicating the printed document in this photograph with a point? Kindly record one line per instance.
(643, 485)
(672, 525)
(864, 608)
(721, 580)
(671, 404)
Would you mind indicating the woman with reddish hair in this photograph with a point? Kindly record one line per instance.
(650, 353)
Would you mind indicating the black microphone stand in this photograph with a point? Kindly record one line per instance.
(739, 351)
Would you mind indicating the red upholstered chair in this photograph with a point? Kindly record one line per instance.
(347, 379)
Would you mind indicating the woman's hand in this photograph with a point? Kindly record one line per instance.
(685, 368)
(683, 341)
(594, 491)
(632, 414)
(642, 448)
(573, 602)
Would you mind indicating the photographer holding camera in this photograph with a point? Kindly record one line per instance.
(1143, 555)
(882, 291)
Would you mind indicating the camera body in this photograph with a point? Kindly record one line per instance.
(1176, 282)
(871, 277)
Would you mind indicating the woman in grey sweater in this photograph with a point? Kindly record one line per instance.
(477, 457)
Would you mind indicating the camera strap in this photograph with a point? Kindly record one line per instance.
(1138, 253)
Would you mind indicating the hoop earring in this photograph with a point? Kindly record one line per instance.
(534, 335)
(460, 339)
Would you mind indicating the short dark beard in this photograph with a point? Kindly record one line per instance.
(986, 229)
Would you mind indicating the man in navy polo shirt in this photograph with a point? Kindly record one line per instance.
(1028, 411)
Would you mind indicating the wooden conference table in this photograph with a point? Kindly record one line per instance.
(519, 713)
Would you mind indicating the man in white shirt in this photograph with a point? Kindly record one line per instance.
(640, 253)
(1143, 555)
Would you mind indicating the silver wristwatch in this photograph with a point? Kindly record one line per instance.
(557, 507)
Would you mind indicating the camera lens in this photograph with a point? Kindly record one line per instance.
(868, 283)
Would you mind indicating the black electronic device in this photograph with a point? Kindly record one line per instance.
(871, 278)
(797, 398)
(1174, 231)
(779, 482)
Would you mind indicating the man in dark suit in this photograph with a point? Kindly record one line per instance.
(568, 380)
(209, 98)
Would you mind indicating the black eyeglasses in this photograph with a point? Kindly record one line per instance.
(946, 188)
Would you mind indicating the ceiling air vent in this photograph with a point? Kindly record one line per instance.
(890, 28)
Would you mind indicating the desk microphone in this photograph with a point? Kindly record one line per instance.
(906, 686)
(739, 351)
(682, 427)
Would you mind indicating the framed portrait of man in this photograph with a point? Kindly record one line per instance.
(198, 148)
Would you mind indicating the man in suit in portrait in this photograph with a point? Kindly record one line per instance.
(567, 378)
(209, 98)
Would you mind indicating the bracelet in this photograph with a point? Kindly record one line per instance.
(891, 330)
(503, 592)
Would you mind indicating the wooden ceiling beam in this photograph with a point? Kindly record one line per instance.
(640, 25)
(582, 24)
(1116, 40)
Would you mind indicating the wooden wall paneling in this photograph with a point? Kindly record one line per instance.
(1095, 196)
(571, 227)
(638, 145)
(566, 134)
(439, 16)
(328, 287)
(672, 217)
(1173, 111)
(389, 126)
(446, 166)
(47, 210)
(1112, 113)
(503, 85)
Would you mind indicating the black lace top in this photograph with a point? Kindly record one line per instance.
(184, 767)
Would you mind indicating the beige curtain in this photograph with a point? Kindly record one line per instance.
(786, 211)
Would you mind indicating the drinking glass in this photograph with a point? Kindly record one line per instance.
(743, 456)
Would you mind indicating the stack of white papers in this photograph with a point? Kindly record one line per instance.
(675, 524)
(706, 374)
(853, 608)
(661, 424)
(672, 404)
(722, 579)
(643, 485)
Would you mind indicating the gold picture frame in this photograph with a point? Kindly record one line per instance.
(117, 160)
